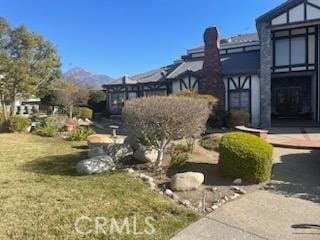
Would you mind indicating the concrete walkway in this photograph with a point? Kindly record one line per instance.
(295, 137)
(288, 210)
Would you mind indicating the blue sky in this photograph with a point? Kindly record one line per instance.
(118, 37)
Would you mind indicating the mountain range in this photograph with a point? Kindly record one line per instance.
(82, 77)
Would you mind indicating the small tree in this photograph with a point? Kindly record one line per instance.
(97, 100)
(155, 121)
(75, 95)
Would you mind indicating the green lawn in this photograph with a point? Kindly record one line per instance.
(41, 196)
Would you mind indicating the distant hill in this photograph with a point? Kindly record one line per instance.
(83, 77)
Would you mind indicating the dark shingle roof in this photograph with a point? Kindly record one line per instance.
(250, 38)
(241, 63)
(192, 65)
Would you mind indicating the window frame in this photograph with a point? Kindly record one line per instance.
(310, 31)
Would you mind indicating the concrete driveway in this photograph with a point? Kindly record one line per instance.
(289, 208)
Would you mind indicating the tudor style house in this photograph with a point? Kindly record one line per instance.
(274, 74)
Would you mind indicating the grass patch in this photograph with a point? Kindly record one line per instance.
(41, 196)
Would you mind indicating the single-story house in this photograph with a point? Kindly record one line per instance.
(273, 74)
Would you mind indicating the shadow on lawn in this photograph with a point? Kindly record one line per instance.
(63, 165)
(298, 175)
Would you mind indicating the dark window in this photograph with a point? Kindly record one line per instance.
(239, 100)
(294, 49)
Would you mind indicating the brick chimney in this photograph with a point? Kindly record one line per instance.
(212, 82)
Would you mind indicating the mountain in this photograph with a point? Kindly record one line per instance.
(83, 77)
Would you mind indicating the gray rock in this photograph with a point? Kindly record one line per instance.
(132, 142)
(237, 181)
(146, 155)
(118, 151)
(234, 196)
(114, 150)
(238, 190)
(186, 181)
(168, 192)
(95, 165)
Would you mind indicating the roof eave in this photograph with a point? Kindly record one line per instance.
(277, 11)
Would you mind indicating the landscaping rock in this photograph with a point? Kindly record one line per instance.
(130, 170)
(101, 144)
(95, 165)
(237, 181)
(185, 202)
(151, 185)
(145, 178)
(132, 141)
(235, 196)
(146, 155)
(117, 151)
(169, 193)
(238, 190)
(186, 181)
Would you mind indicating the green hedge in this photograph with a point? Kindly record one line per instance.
(82, 112)
(245, 156)
(18, 124)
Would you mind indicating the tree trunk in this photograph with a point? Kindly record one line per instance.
(161, 150)
(70, 111)
(13, 104)
(4, 108)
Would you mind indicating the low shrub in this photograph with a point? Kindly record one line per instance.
(179, 155)
(245, 156)
(80, 134)
(18, 124)
(56, 121)
(82, 112)
(218, 119)
(211, 142)
(212, 101)
(47, 131)
(237, 118)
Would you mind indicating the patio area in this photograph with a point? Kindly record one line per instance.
(295, 137)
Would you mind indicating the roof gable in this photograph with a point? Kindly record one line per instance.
(293, 12)
(278, 10)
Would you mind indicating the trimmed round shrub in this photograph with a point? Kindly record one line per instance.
(237, 118)
(82, 112)
(18, 124)
(245, 156)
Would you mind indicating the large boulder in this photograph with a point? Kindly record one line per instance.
(133, 142)
(186, 181)
(103, 144)
(95, 165)
(118, 152)
(145, 155)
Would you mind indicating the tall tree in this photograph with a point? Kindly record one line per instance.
(29, 64)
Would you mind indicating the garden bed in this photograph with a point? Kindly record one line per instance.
(215, 191)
